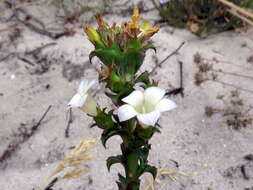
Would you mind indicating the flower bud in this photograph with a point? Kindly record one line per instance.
(145, 25)
(92, 34)
(135, 16)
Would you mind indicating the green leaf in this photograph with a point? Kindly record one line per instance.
(131, 62)
(143, 152)
(104, 120)
(112, 132)
(115, 83)
(135, 45)
(114, 160)
(122, 183)
(152, 170)
(92, 54)
(143, 77)
(146, 133)
(107, 55)
(107, 134)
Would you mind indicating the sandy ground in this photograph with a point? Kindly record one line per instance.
(207, 149)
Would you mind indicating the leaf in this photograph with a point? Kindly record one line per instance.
(152, 170)
(131, 62)
(92, 54)
(114, 160)
(107, 55)
(146, 133)
(143, 77)
(107, 134)
(143, 152)
(122, 183)
(104, 120)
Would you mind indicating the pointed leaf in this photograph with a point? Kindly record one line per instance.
(113, 160)
(107, 134)
(122, 183)
(92, 54)
(108, 55)
(152, 170)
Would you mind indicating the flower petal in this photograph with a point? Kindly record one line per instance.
(90, 106)
(149, 118)
(77, 101)
(85, 85)
(126, 112)
(134, 99)
(153, 95)
(165, 105)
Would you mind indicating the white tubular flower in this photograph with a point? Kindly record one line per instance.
(82, 99)
(147, 106)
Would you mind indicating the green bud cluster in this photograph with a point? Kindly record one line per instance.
(121, 49)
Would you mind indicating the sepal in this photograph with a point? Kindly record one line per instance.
(122, 183)
(152, 170)
(114, 160)
(104, 120)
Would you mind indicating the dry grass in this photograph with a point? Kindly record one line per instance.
(74, 161)
(150, 183)
(207, 72)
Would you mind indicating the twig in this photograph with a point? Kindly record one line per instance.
(26, 60)
(7, 56)
(38, 30)
(179, 90)
(239, 9)
(241, 17)
(70, 120)
(234, 64)
(16, 7)
(35, 127)
(28, 16)
(171, 54)
(181, 78)
(13, 146)
(39, 49)
(234, 86)
(235, 74)
(21, 55)
(51, 184)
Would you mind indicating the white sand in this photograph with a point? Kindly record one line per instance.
(203, 147)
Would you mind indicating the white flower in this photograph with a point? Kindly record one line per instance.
(82, 99)
(147, 105)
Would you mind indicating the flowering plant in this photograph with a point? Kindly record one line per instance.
(121, 50)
